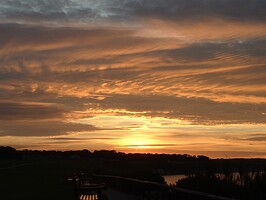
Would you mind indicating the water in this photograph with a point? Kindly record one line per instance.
(172, 179)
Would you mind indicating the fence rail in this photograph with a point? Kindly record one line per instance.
(146, 190)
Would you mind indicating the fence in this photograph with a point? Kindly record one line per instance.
(146, 190)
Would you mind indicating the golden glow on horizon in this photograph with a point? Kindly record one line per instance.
(134, 77)
(137, 141)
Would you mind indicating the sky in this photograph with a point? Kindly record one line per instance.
(152, 76)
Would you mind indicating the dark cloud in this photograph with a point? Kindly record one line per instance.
(17, 34)
(94, 10)
(258, 139)
(45, 11)
(71, 49)
(102, 76)
(42, 128)
(243, 77)
(76, 47)
(19, 111)
(196, 110)
(239, 10)
(207, 51)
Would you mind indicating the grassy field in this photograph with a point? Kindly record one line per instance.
(42, 180)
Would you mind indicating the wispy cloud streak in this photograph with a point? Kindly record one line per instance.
(68, 65)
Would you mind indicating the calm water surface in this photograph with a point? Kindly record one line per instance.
(172, 179)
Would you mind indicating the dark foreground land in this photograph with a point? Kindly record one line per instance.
(42, 174)
(36, 179)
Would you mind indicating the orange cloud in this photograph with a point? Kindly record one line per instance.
(189, 73)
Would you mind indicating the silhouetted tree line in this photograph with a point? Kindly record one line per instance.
(8, 153)
(122, 164)
(12, 153)
(202, 170)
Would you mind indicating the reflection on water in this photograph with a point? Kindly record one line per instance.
(235, 176)
(172, 179)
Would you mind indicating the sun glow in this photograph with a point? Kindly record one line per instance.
(137, 141)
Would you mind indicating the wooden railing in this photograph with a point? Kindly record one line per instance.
(147, 190)
(85, 189)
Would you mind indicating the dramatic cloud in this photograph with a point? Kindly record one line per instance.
(84, 11)
(197, 110)
(26, 111)
(42, 128)
(134, 70)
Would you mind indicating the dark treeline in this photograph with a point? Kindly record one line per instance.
(201, 170)
(163, 163)
(140, 166)
(12, 153)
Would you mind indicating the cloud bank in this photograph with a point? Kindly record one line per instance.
(62, 11)
(176, 63)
